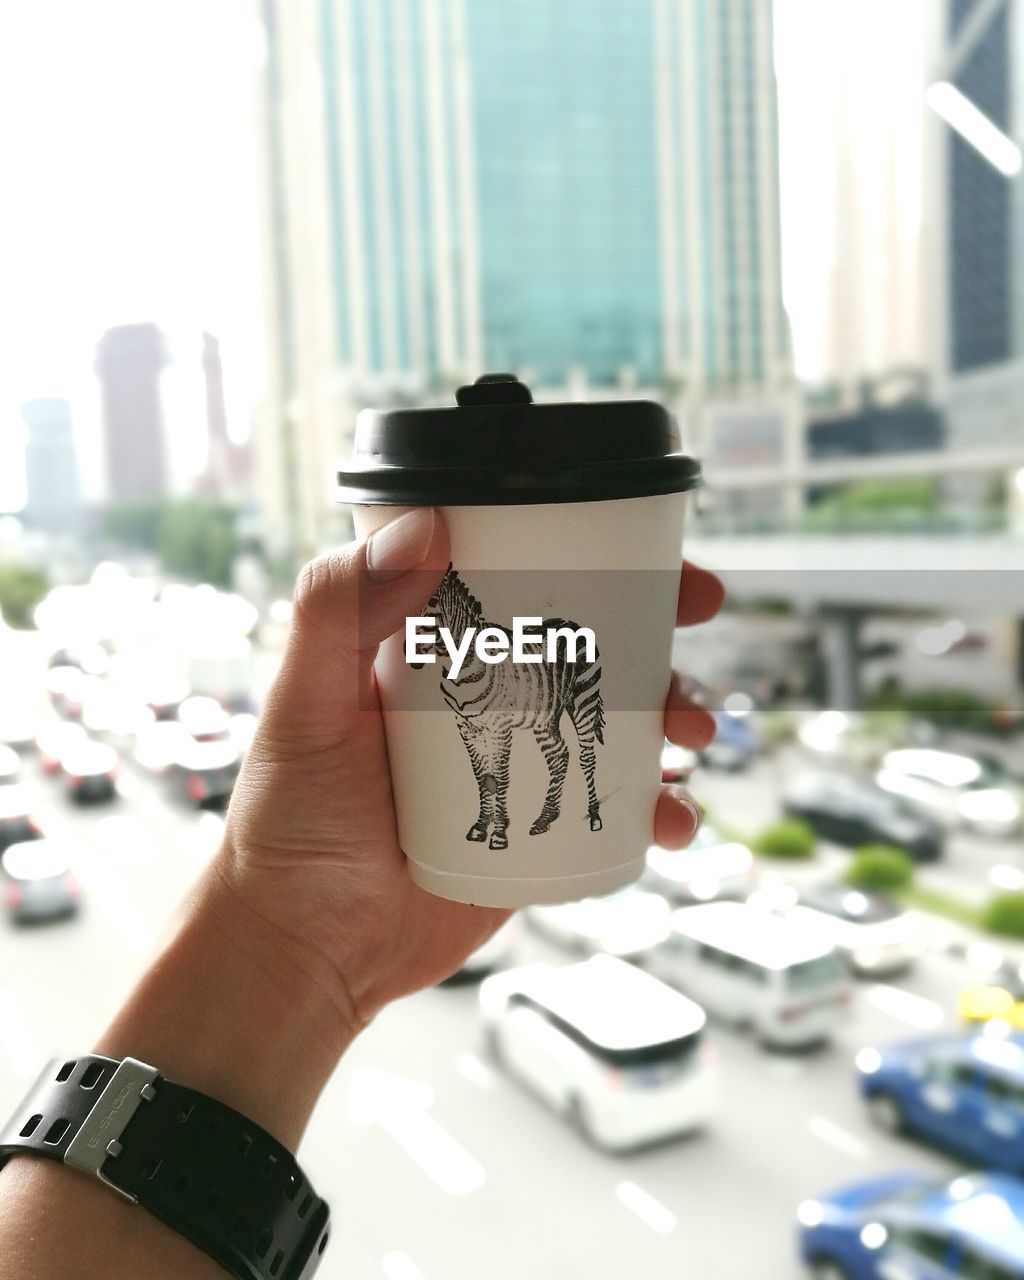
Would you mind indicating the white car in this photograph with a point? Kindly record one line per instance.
(621, 1055)
(873, 935)
(709, 867)
(756, 969)
(629, 923)
(956, 790)
(10, 764)
(204, 719)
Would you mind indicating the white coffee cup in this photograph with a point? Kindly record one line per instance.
(518, 782)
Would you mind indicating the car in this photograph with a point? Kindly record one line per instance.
(164, 693)
(18, 821)
(1000, 997)
(114, 715)
(68, 689)
(495, 953)
(204, 719)
(734, 745)
(873, 934)
(629, 923)
(37, 883)
(204, 773)
(10, 765)
(752, 968)
(54, 739)
(956, 790)
(619, 1054)
(677, 763)
(963, 1093)
(93, 658)
(90, 770)
(908, 1226)
(158, 745)
(851, 811)
(711, 866)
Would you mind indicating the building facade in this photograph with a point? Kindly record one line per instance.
(585, 193)
(129, 363)
(53, 488)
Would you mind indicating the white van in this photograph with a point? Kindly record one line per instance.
(776, 975)
(621, 1055)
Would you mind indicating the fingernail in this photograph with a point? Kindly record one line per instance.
(692, 807)
(395, 548)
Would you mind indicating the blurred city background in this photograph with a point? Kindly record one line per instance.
(229, 225)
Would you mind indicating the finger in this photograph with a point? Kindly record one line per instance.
(346, 604)
(700, 595)
(686, 717)
(677, 818)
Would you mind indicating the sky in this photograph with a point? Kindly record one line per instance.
(126, 149)
(126, 145)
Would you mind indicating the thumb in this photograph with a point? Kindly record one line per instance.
(346, 603)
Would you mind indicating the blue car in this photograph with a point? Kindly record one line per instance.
(908, 1227)
(964, 1093)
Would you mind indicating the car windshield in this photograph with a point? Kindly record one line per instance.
(851, 904)
(824, 971)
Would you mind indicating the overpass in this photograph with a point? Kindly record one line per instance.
(845, 578)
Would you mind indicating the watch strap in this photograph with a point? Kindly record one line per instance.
(198, 1165)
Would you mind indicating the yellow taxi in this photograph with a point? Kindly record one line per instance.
(1001, 996)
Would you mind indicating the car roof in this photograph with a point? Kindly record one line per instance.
(15, 801)
(35, 859)
(612, 1003)
(199, 756)
(1003, 1052)
(759, 937)
(849, 904)
(946, 768)
(718, 857)
(88, 756)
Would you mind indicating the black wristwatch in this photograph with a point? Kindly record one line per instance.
(196, 1164)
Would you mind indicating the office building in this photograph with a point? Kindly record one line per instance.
(54, 498)
(585, 193)
(129, 363)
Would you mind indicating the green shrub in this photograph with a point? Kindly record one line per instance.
(21, 589)
(880, 868)
(789, 838)
(1004, 914)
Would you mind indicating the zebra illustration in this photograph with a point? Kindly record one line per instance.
(490, 700)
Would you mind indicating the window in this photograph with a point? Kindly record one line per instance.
(973, 1266)
(712, 956)
(932, 1245)
(1000, 1089)
(823, 972)
(943, 1071)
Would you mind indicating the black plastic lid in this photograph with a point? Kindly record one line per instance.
(498, 448)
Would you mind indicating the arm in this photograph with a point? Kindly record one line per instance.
(305, 924)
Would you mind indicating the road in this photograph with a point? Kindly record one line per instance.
(438, 1168)
(972, 868)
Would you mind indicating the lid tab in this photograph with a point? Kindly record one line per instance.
(494, 388)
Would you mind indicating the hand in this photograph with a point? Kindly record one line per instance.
(312, 849)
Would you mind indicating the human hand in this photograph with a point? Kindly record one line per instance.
(311, 853)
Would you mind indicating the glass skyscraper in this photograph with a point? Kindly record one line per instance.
(589, 185)
(982, 250)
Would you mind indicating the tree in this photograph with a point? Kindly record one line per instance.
(21, 589)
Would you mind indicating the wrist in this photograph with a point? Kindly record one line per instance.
(234, 1009)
